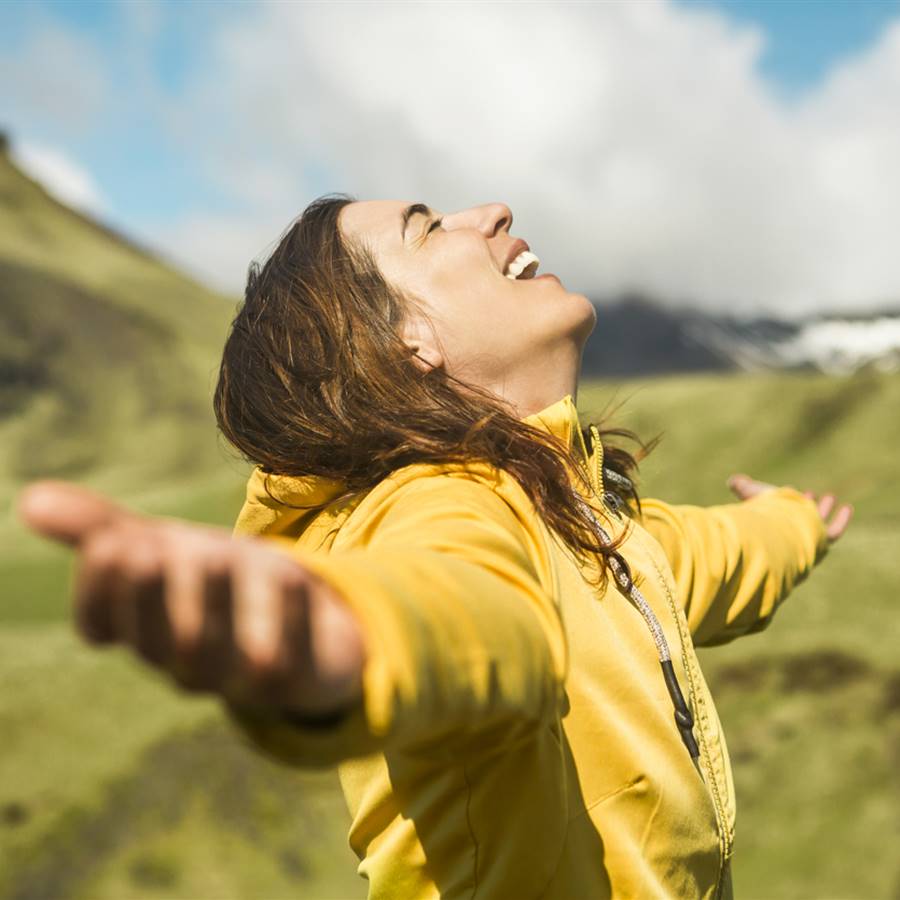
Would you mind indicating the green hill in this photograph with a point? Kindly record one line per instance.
(107, 355)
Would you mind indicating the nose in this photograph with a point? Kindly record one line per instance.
(489, 218)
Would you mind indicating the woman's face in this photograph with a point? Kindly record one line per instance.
(489, 330)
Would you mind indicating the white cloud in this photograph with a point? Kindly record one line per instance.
(61, 176)
(636, 142)
(218, 250)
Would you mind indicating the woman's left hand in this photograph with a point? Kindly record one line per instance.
(746, 487)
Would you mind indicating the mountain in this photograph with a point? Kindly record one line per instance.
(636, 336)
(108, 356)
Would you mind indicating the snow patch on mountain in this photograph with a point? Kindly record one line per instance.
(840, 346)
(636, 336)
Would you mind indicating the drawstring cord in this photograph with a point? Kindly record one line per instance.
(684, 719)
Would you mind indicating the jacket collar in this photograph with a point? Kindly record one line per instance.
(561, 420)
(275, 502)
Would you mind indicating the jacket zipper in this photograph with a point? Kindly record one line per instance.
(684, 725)
(684, 718)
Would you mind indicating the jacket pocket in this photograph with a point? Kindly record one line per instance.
(625, 786)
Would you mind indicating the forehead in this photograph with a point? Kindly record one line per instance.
(376, 222)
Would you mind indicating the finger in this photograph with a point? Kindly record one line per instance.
(66, 512)
(96, 586)
(258, 609)
(211, 658)
(144, 616)
(826, 505)
(184, 597)
(739, 483)
(839, 523)
(809, 494)
(296, 649)
(745, 487)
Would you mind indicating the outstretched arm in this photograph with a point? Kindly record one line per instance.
(735, 563)
(236, 617)
(434, 626)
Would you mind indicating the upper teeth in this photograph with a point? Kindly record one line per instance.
(524, 266)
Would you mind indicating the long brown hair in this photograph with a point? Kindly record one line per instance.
(315, 380)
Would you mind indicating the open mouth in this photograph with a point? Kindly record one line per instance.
(523, 267)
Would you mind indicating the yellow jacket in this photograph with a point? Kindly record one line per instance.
(516, 737)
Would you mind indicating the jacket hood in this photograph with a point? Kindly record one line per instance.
(275, 503)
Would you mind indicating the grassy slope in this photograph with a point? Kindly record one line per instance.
(107, 364)
(107, 356)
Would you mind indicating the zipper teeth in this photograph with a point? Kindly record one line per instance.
(635, 595)
(724, 843)
(597, 447)
(659, 638)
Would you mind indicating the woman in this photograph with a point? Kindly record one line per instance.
(443, 583)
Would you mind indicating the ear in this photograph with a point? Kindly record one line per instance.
(418, 334)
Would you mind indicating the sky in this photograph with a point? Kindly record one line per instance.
(735, 155)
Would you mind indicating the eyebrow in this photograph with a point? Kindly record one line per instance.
(409, 212)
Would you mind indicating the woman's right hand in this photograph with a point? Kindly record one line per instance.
(229, 615)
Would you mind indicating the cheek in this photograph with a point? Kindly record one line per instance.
(465, 297)
(476, 327)
(467, 316)
(509, 323)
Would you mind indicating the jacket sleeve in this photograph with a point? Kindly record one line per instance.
(461, 635)
(735, 563)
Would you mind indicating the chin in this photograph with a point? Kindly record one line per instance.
(584, 315)
(569, 316)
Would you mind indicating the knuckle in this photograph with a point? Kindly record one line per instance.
(188, 648)
(259, 664)
(103, 550)
(295, 578)
(217, 568)
(266, 673)
(143, 567)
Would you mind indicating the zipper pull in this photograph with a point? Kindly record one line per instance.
(684, 720)
(612, 502)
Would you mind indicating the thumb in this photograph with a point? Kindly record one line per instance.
(745, 486)
(66, 512)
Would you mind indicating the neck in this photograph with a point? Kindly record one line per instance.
(536, 386)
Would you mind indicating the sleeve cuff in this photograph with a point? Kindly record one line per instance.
(808, 514)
